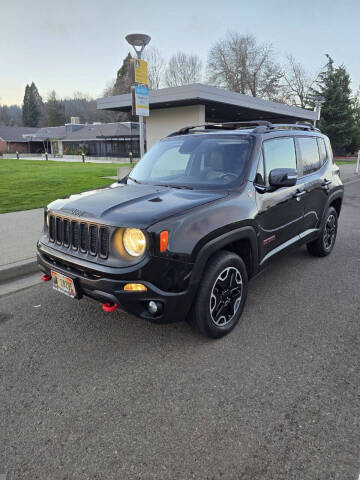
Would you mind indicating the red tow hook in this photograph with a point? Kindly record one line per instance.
(45, 277)
(109, 307)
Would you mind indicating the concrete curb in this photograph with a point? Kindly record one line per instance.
(18, 269)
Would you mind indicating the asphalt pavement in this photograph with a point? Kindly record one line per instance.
(89, 395)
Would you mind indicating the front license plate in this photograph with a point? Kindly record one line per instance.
(63, 284)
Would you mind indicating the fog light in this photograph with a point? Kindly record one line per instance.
(135, 287)
(154, 307)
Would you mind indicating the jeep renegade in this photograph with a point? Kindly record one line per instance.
(202, 212)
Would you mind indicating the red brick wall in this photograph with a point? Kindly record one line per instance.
(3, 147)
(13, 147)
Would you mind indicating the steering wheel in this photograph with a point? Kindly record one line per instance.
(229, 174)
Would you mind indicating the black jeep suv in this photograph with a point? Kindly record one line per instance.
(201, 213)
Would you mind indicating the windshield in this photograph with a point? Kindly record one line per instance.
(195, 161)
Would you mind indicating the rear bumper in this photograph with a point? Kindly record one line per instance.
(103, 288)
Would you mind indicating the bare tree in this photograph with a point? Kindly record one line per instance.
(238, 63)
(156, 67)
(183, 69)
(297, 83)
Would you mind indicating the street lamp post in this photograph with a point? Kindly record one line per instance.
(139, 40)
(318, 102)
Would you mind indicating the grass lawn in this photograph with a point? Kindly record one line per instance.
(345, 162)
(26, 184)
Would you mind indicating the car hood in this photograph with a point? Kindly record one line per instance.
(132, 205)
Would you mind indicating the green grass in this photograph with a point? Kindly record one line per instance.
(345, 162)
(26, 184)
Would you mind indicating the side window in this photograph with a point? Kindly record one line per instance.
(309, 154)
(329, 149)
(260, 174)
(322, 151)
(279, 153)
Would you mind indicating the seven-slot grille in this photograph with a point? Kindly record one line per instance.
(78, 235)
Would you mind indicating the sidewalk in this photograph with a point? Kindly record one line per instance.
(20, 231)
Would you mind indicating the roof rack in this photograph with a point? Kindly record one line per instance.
(221, 126)
(259, 126)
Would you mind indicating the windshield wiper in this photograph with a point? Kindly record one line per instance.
(179, 187)
(133, 180)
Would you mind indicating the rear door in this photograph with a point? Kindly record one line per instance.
(280, 211)
(316, 179)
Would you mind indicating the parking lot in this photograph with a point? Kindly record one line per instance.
(86, 394)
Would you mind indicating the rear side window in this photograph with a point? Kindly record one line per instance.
(322, 151)
(329, 149)
(309, 154)
(279, 153)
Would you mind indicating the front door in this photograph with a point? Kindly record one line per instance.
(280, 211)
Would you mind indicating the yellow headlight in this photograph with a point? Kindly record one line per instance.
(134, 241)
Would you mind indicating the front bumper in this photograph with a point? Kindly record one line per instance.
(106, 287)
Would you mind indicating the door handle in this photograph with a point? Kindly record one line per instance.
(299, 194)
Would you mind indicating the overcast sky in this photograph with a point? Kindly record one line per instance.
(78, 45)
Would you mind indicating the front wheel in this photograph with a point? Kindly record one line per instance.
(221, 296)
(324, 244)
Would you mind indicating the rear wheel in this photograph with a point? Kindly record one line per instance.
(221, 296)
(324, 244)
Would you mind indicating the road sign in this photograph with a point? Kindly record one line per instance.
(140, 71)
(140, 100)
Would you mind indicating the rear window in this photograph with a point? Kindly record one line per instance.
(309, 154)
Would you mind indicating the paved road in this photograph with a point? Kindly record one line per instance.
(87, 395)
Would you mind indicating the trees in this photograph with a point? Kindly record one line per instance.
(297, 84)
(32, 106)
(123, 79)
(238, 63)
(156, 67)
(54, 111)
(183, 69)
(337, 114)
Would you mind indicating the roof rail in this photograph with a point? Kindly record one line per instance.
(294, 126)
(222, 126)
(260, 126)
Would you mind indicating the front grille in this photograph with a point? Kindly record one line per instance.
(77, 235)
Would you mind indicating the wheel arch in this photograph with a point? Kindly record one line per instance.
(242, 241)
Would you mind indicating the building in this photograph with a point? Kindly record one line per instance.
(196, 104)
(12, 140)
(119, 140)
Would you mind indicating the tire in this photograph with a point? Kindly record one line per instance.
(324, 244)
(221, 296)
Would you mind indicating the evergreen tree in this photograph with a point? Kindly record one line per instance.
(32, 106)
(123, 79)
(337, 119)
(54, 111)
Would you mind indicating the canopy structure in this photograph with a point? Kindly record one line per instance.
(175, 107)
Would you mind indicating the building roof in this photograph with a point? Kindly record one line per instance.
(15, 134)
(57, 133)
(220, 104)
(96, 131)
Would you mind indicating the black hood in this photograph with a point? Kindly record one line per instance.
(132, 205)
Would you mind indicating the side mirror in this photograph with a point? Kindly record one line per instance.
(282, 177)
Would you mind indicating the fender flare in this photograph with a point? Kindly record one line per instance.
(247, 233)
(333, 196)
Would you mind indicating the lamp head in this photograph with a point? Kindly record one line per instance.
(138, 39)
